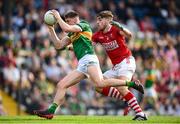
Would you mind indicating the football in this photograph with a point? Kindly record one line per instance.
(49, 18)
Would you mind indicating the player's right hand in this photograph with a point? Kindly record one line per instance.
(50, 27)
(56, 14)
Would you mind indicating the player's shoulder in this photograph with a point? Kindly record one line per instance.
(96, 36)
(83, 22)
(84, 25)
(97, 33)
(114, 28)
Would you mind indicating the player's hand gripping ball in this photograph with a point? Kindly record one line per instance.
(49, 18)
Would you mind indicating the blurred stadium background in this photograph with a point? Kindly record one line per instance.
(30, 66)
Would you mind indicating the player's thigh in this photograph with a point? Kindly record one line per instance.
(71, 79)
(95, 74)
(108, 74)
(125, 71)
(126, 68)
(121, 73)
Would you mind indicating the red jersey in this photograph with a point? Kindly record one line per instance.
(114, 44)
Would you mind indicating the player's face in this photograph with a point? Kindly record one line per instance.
(71, 21)
(101, 23)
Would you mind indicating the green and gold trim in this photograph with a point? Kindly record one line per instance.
(75, 36)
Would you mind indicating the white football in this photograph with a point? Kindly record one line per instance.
(49, 18)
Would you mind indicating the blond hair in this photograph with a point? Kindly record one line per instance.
(105, 14)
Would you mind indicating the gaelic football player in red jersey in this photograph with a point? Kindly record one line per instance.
(111, 35)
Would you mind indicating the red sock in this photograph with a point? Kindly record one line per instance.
(112, 92)
(132, 102)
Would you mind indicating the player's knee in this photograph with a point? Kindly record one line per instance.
(99, 90)
(61, 85)
(99, 84)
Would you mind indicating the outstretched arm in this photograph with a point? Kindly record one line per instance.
(64, 26)
(58, 44)
(123, 31)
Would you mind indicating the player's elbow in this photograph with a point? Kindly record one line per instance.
(130, 36)
(99, 85)
(57, 46)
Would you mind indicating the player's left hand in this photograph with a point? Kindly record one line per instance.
(56, 14)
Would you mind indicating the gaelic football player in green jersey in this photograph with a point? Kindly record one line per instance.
(79, 34)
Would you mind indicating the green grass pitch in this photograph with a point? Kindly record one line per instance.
(88, 120)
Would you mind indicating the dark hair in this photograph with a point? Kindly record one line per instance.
(71, 14)
(105, 14)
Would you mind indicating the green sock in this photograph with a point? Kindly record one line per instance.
(129, 83)
(52, 108)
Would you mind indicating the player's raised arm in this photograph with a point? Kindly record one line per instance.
(64, 26)
(58, 43)
(123, 31)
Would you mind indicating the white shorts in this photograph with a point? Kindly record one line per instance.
(125, 68)
(86, 61)
(150, 92)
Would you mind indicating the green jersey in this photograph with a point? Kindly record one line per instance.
(81, 41)
(150, 79)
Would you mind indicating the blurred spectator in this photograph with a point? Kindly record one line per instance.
(131, 22)
(172, 20)
(53, 71)
(2, 111)
(146, 24)
(87, 94)
(152, 76)
(12, 78)
(121, 11)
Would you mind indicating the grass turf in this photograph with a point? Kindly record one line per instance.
(87, 120)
